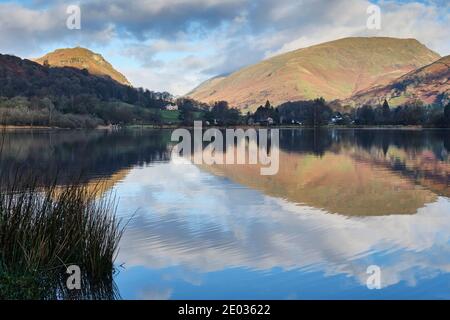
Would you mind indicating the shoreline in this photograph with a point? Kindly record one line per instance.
(149, 126)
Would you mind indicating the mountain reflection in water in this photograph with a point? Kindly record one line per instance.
(343, 200)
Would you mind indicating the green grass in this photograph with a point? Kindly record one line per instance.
(397, 101)
(170, 116)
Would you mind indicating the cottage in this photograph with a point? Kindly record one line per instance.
(171, 107)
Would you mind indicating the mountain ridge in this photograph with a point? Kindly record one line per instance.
(333, 70)
(429, 84)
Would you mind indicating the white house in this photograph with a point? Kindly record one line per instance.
(171, 107)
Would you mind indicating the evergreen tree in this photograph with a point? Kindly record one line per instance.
(386, 112)
(447, 113)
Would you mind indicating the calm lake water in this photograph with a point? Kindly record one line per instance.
(343, 200)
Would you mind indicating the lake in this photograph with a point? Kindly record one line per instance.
(342, 200)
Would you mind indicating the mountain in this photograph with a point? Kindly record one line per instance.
(26, 78)
(429, 84)
(38, 95)
(82, 58)
(332, 70)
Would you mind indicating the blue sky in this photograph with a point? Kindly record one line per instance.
(174, 45)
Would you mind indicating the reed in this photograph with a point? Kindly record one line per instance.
(45, 229)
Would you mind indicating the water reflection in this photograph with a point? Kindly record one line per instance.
(348, 182)
(87, 154)
(342, 200)
(237, 228)
(55, 288)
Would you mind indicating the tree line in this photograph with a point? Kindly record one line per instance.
(317, 112)
(409, 114)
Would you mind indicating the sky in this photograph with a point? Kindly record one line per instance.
(174, 45)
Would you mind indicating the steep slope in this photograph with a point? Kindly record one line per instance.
(82, 58)
(203, 88)
(429, 84)
(333, 70)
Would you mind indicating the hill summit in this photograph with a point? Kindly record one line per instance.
(82, 58)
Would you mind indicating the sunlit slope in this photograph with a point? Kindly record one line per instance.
(429, 84)
(82, 58)
(333, 70)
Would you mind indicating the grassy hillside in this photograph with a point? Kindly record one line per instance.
(332, 70)
(82, 58)
(429, 84)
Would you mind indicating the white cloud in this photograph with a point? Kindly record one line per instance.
(164, 78)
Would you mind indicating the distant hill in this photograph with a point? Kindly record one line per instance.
(332, 70)
(82, 58)
(429, 84)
